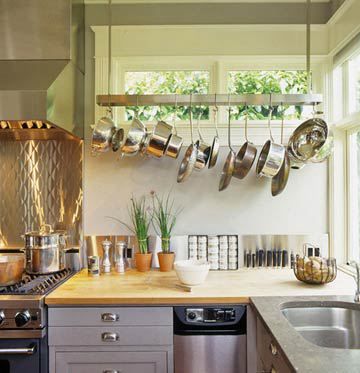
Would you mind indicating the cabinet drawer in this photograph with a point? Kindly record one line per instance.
(270, 356)
(100, 316)
(104, 362)
(110, 336)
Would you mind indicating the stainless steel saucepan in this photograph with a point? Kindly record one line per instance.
(228, 168)
(134, 138)
(159, 139)
(214, 151)
(279, 181)
(103, 132)
(175, 142)
(188, 163)
(246, 156)
(271, 156)
(203, 150)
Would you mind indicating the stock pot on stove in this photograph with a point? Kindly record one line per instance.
(45, 250)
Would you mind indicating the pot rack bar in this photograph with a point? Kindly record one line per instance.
(209, 100)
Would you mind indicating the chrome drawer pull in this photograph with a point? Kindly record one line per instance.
(18, 351)
(109, 317)
(109, 337)
(111, 371)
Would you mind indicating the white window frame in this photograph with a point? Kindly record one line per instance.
(339, 175)
(218, 66)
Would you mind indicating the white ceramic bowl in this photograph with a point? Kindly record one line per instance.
(192, 272)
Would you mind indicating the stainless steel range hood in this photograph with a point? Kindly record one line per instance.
(41, 69)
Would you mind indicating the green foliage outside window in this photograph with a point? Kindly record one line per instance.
(242, 82)
(198, 82)
(167, 82)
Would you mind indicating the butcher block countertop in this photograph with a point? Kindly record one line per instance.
(159, 288)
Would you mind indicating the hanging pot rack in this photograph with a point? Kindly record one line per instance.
(210, 100)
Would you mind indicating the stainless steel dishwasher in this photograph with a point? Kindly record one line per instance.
(210, 339)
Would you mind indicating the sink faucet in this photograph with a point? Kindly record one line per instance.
(357, 280)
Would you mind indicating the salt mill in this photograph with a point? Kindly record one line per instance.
(106, 260)
(120, 263)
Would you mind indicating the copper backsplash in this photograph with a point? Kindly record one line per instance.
(40, 182)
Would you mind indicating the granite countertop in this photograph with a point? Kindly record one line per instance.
(301, 354)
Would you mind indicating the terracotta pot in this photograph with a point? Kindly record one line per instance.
(143, 262)
(166, 261)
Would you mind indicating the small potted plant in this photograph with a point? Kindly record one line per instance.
(164, 219)
(140, 222)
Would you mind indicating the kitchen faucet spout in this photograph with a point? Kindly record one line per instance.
(357, 279)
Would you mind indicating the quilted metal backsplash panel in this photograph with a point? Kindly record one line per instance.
(40, 183)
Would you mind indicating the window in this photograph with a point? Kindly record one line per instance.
(354, 84)
(167, 82)
(354, 194)
(337, 93)
(280, 81)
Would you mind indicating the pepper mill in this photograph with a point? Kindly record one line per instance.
(106, 260)
(120, 263)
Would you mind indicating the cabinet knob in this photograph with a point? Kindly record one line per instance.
(109, 337)
(109, 317)
(273, 370)
(112, 371)
(273, 349)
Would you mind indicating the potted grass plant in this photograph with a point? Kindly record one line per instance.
(164, 220)
(140, 221)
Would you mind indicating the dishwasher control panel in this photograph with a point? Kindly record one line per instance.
(210, 315)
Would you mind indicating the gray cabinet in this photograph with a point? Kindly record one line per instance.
(111, 362)
(270, 358)
(111, 340)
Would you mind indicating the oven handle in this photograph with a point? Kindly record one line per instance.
(19, 351)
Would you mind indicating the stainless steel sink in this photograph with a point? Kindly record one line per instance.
(326, 326)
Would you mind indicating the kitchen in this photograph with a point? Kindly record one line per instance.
(121, 124)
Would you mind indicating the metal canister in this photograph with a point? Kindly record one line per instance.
(93, 265)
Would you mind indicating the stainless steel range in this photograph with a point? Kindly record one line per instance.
(23, 322)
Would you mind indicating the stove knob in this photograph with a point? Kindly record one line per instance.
(192, 315)
(22, 318)
(2, 317)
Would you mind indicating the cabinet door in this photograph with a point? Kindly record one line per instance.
(111, 362)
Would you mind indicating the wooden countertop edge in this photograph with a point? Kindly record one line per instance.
(145, 301)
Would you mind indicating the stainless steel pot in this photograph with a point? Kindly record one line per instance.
(204, 150)
(11, 268)
(308, 138)
(159, 139)
(175, 142)
(271, 156)
(103, 132)
(134, 139)
(45, 251)
(246, 156)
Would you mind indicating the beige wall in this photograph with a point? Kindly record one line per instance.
(246, 207)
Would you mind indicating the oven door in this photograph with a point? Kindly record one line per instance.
(20, 355)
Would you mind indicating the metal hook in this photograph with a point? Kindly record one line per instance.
(216, 111)
(282, 123)
(270, 117)
(190, 116)
(175, 113)
(246, 122)
(229, 123)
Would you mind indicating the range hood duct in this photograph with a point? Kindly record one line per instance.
(41, 69)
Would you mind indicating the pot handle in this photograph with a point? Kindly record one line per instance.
(46, 228)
